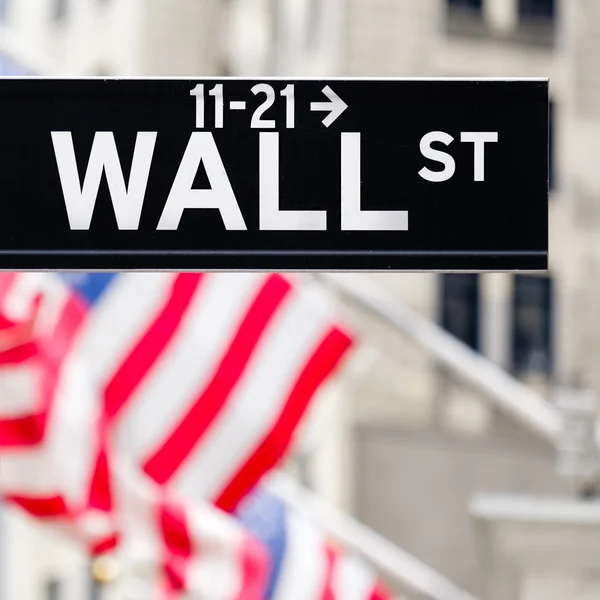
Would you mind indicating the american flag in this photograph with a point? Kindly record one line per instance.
(305, 565)
(184, 546)
(198, 381)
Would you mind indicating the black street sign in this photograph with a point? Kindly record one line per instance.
(273, 174)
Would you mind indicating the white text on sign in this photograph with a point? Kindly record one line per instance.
(128, 197)
(334, 107)
(478, 138)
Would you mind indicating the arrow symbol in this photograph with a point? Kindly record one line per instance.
(335, 107)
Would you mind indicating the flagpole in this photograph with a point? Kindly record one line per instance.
(414, 575)
(525, 404)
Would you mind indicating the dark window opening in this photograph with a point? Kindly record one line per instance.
(536, 22)
(473, 5)
(537, 9)
(535, 26)
(532, 325)
(459, 314)
(465, 17)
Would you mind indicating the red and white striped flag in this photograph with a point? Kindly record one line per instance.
(187, 543)
(191, 547)
(304, 564)
(242, 355)
(199, 380)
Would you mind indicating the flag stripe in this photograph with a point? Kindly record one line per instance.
(20, 295)
(353, 579)
(30, 430)
(330, 558)
(104, 545)
(42, 507)
(22, 431)
(217, 574)
(178, 545)
(303, 573)
(119, 318)
(254, 562)
(174, 528)
(100, 494)
(255, 404)
(109, 334)
(321, 364)
(164, 463)
(18, 354)
(16, 337)
(138, 504)
(67, 415)
(166, 394)
(16, 382)
(151, 345)
(379, 593)
(6, 282)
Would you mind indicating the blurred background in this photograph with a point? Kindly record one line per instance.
(447, 450)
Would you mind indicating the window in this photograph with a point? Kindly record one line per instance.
(53, 590)
(537, 9)
(532, 325)
(472, 5)
(536, 22)
(60, 9)
(459, 314)
(465, 17)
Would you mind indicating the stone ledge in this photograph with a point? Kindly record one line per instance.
(538, 548)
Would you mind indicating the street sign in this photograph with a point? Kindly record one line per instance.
(274, 174)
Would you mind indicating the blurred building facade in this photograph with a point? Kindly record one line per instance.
(406, 444)
(538, 327)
